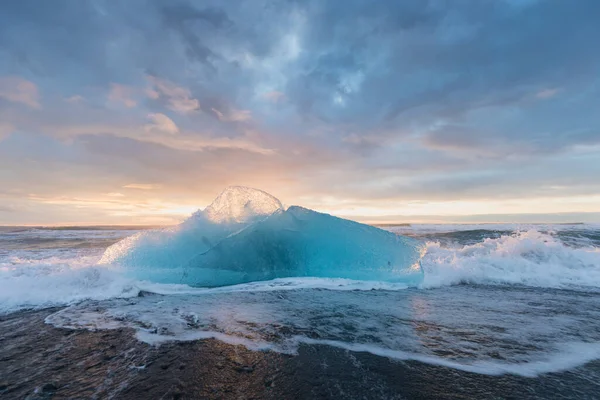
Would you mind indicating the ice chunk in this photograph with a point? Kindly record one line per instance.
(238, 204)
(302, 242)
(246, 235)
(164, 254)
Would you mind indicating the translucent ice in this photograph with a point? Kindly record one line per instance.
(246, 235)
(238, 204)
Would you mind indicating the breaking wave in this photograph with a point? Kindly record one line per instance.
(48, 282)
(530, 258)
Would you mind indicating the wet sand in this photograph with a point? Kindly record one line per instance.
(38, 361)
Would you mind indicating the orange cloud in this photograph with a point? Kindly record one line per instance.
(233, 115)
(160, 122)
(122, 94)
(18, 90)
(143, 186)
(179, 98)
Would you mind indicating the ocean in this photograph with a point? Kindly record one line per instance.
(496, 300)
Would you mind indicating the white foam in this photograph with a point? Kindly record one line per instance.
(49, 282)
(571, 355)
(281, 284)
(155, 340)
(53, 282)
(529, 258)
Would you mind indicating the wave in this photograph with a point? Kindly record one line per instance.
(27, 283)
(569, 355)
(530, 258)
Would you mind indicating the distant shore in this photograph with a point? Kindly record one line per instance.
(38, 361)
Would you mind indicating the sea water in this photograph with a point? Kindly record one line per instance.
(495, 299)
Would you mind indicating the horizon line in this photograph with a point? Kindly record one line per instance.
(564, 218)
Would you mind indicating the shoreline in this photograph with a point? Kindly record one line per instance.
(39, 361)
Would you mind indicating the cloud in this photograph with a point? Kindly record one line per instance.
(18, 90)
(5, 130)
(546, 93)
(7, 209)
(233, 115)
(161, 130)
(152, 94)
(193, 25)
(122, 94)
(143, 186)
(274, 96)
(161, 123)
(75, 99)
(178, 99)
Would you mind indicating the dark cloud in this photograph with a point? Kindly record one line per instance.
(191, 24)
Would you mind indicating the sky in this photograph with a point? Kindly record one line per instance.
(142, 111)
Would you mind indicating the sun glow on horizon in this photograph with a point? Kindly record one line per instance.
(547, 205)
(127, 210)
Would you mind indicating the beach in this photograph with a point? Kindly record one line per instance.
(38, 361)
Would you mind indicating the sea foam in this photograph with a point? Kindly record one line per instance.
(530, 258)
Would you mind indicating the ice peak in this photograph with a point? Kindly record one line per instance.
(240, 204)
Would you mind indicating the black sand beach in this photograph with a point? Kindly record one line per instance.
(38, 361)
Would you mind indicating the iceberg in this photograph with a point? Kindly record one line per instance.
(247, 235)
